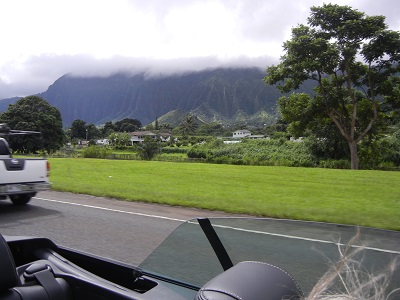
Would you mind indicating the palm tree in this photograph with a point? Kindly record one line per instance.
(188, 125)
(148, 149)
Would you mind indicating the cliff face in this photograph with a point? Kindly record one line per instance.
(213, 95)
(223, 95)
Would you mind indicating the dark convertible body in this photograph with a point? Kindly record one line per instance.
(193, 263)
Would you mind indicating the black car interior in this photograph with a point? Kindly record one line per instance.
(36, 268)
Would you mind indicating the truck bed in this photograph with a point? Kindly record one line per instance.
(18, 170)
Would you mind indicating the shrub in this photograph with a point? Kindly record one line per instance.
(96, 152)
(197, 152)
(335, 164)
(174, 150)
(383, 151)
(148, 149)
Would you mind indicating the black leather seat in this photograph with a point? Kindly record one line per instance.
(251, 280)
(8, 274)
(12, 288)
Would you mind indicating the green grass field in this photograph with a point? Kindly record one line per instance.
(366, 198)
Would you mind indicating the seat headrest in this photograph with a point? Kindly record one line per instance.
(251, 280)
(4, 149)
(8, 274)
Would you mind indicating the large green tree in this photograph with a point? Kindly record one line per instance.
(119, 139)
(127, 125)
(353, 58)
(213, 128)
(34, 113)
(78, 129)
(108, 128)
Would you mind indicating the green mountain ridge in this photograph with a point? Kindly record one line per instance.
(225, 95)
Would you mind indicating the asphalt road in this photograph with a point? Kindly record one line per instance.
(124, 231)
(130, 231)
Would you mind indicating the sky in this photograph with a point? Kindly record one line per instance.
(42, 40)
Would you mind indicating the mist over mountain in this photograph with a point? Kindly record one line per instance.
(224, 95)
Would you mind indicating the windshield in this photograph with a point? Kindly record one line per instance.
(304, 249)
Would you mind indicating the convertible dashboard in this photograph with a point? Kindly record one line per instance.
(88, 276)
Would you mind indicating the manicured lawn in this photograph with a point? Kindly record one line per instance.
(367, 198)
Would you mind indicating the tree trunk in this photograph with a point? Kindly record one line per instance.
(353, 154)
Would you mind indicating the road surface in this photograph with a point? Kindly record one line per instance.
(125, 231)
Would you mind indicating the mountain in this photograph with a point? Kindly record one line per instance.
(223, 95)
(5, 102)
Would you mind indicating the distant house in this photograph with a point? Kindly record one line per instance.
(241, 133)
(103, 142)
(139, 136)
(292, 139)
(244, 133)
(165, 137)
(83, 144)
(255, 136)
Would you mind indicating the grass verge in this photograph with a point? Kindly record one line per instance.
(365, 198)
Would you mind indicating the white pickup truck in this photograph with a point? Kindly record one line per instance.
(21, 179)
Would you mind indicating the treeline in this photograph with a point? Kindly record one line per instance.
(80, 130)
(382, 154)
(200, 141)
(205, 142)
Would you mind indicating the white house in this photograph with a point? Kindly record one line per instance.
(103, 142)
(139, 136)
(165, 137)
(241, 133)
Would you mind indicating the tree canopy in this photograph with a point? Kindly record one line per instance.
(83, 131)
(34, 113)
(354, 59)
(78, 129)
(127, 125)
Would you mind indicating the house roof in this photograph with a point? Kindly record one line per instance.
(243, 130)
(141, 133)
(165, 134)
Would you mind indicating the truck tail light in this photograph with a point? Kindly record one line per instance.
(47, 169)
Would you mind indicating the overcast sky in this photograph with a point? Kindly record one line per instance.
(42, 40)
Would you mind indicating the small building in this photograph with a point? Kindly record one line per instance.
(165, 136)
(293, 139)
(255, 137)
(241, 133)
(139, 136)
(83, 144)
(103, 142)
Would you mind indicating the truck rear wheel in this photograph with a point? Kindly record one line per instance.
(21, 199)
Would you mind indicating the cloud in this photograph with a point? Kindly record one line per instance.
(48, 39)
(36, 75)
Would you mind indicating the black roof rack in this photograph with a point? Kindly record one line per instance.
(5, 131)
